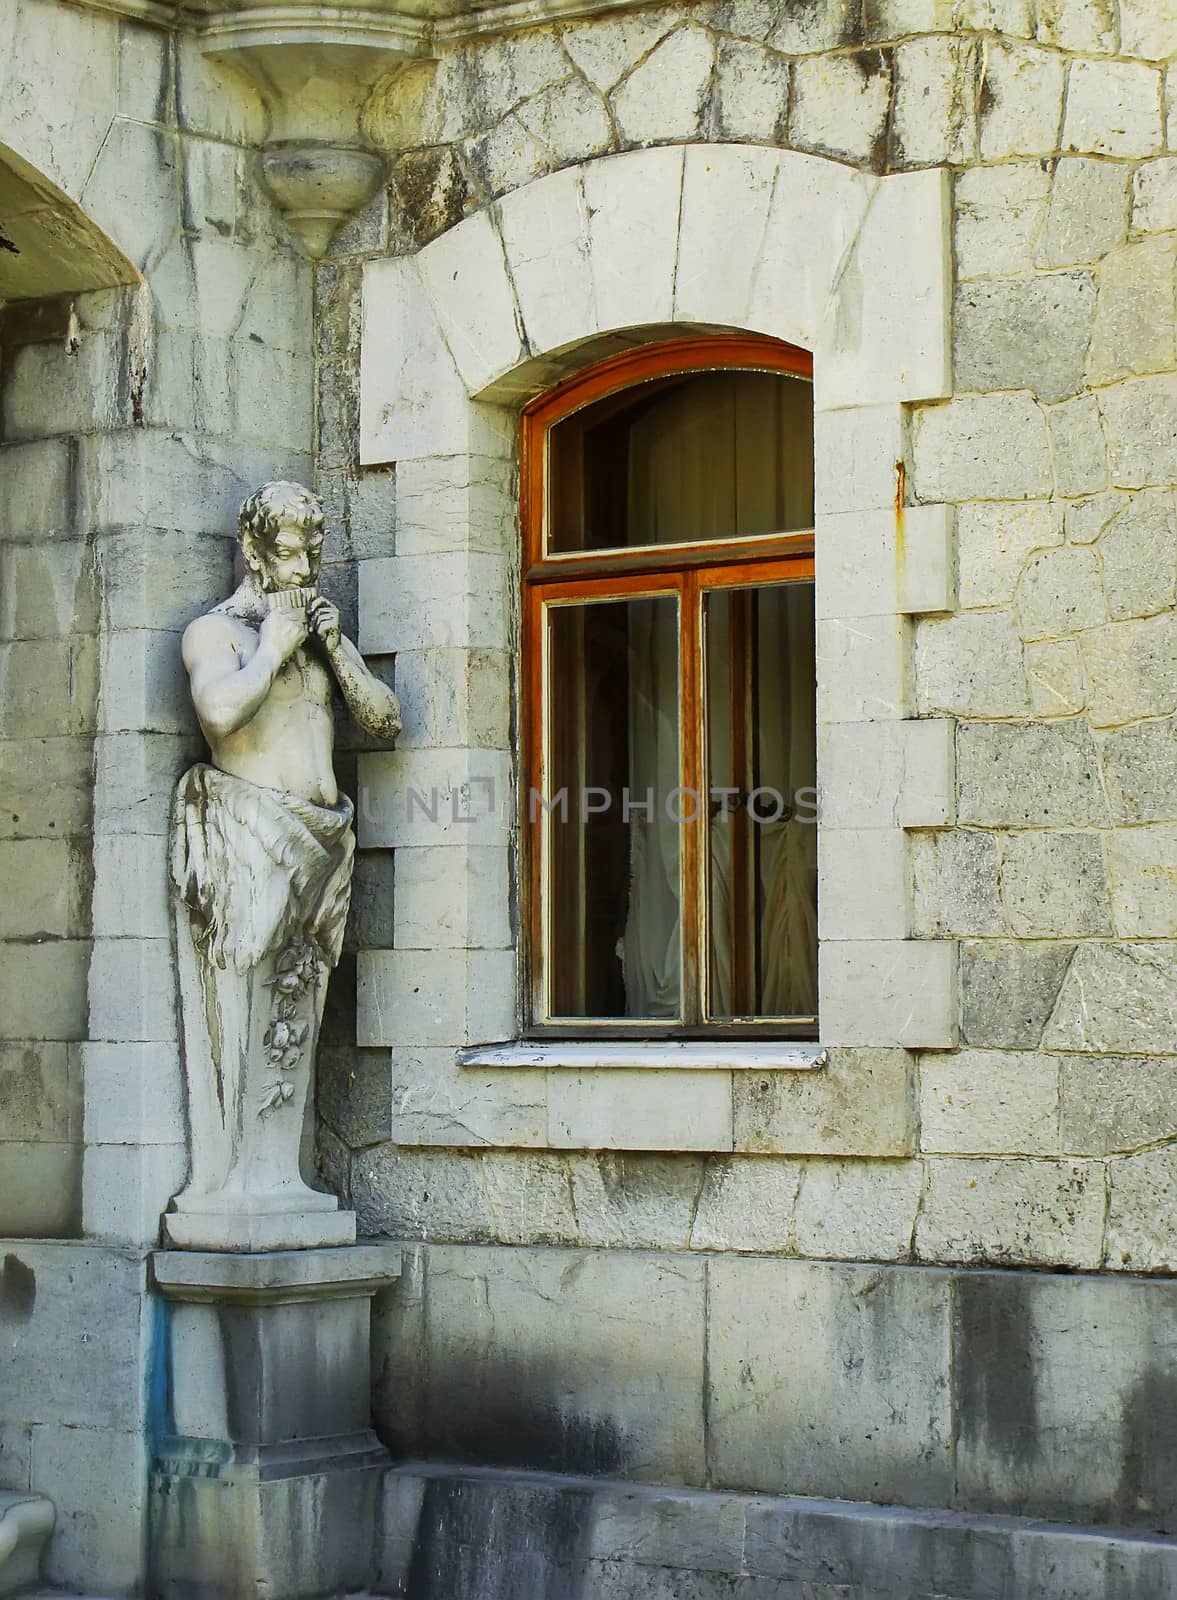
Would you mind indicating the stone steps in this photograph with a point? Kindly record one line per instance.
(26, 1521)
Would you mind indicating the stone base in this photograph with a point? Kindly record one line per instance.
(479, 1534)
(285, 1230)
(266, 1471)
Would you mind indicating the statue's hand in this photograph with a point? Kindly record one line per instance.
(282, 632)
(325, 621)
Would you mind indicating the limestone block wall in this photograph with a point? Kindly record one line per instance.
(128, 438)
(1036, 1131)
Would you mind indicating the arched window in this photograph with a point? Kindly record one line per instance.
(668, 694)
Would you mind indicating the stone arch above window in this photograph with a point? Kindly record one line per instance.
(569, 269)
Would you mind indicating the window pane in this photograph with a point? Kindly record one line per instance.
(710, 455)
(762, 772)
(613, 858)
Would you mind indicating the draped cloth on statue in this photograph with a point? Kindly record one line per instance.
(262, 879)
(259, 867)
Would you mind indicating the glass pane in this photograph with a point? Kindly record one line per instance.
(762, 772)
(709, 455)
(613, 860)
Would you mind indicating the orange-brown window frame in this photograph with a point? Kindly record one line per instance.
(684, 570)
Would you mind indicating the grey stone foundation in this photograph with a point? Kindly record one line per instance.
(464, 1534)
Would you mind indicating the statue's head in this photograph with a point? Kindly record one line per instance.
(280, 528)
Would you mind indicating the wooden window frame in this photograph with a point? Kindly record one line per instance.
(685, 571)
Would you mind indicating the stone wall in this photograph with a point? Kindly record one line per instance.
(1041, 1138)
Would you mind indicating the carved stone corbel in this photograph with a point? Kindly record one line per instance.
(315, 66)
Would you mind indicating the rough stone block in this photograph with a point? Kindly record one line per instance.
(53, 388)
(746, 1203)
(858, 1210)
(857, 455)
(987, 447)
(840, 105)
(133, 1094)
(433, 798)
(989, 1102)
(993, 543)
(1140, 771)
(452, 896)
(47, 590)
(1116, 999)
(1142, 1203)
(553, 285)
(126, 1189)
(1138, 553)
(633, 275)
(619, 1110)
(40, 1189)
(725, 189)
(47, 886)
(873, 563)
(1136, 320)
(1022, 774)
(862, 669)
(863, 875)
(835, 1406)
(143, 685)
(1142, 872)
(1021, 96)
(888, 992)
(1076, 25)
(934, 118)
(48, 687)
(751, 93)
(1131, 670)
(971, 665)
(46, 787)
(437, 1102)
(135, 779)
(455, 503)
(1008, 991)
(132, 891)
(1024, 333)
(1055, 672)
(663, 98)
(860, 1105)
(1111, 1105)
(639, 1202)
(1011, 1210)
(466, 278)
(43, 989)
(999, 214)
(1134, 127)
(442, 997)
(530, 1374)
(452, 697)
(955, 884)
(96, 1476)
(1140, 421)
(16, 1443)
(40, 1091)
(1080, 451)
(1054, 886)
(1088, 214)
(432, 602)
(163, 579)
(1154, 196)
(132, 991)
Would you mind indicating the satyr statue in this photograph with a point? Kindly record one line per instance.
(262, 852)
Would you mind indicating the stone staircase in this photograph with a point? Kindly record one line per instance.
(26, 1521)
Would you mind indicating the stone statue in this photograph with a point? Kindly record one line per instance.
(262, 850)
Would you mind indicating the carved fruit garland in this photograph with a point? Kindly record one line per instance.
(285, 1039)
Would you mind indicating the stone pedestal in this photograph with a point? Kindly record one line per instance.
(266, 1470)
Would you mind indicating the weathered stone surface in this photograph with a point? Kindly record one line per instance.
(1015, 1211)
(1138, 552)
(1080, 452)
(1053, 885)
(1140, 772)
(820, 25)
(1148, 28)
(971, 665)
(1085, 26)
(529, 1197)
(999, 213)
(1142, 871)
(1116, 999)
(993, 543)
(605, 48)
(934, 118)
(1142, 1208)
(1113, 109)
(840, 105)
(1054, 668)
(420, 1194)
(663, 97)
(636, 1202)
(1131, 669)
(569, 121)
(1110, 1105)
(46, 787)
(991, 447)
(837, 1408)
(1060, 592)
(1154, 195)
(40, 1189)
(1087, 519)
(860, 1104)
(525, 1370)
(97, 1476)
(48, 687)
(1021, 94)
(955, 876)
(1140, 421)
(49, 883)
(437, 1102)
(40, 1091)
(858, 1210)
(747, 1203)
(43, 989)
(989, 1102)
(1024, 333)
(1020, 774)
(751, 93)
(635, 1110)
(1136, 320)
(1008, 992)
(1088, 214)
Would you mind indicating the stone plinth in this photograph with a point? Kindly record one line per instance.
(266, 1472)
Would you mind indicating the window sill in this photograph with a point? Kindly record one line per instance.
(643, 1055)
